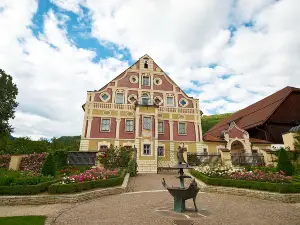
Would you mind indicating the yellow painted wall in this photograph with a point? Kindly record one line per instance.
(99, 112)
(121, 142)
(147, 109)
(288, 140)
(212, 146)
(262, 146)
(93, 144)
(166, 115)
(167, 151)
(191, 146)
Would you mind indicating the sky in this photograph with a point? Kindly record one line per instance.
(228, 53)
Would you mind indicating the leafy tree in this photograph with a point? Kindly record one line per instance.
(284, 163)
(208, 122)
(297, 141)
(8, 104)
(49, 167)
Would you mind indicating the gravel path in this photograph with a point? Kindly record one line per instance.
(145, 199)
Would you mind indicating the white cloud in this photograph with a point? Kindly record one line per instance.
(184, 39)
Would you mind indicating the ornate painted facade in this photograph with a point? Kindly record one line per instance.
(145, 109)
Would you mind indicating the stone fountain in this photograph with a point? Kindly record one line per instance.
(182, 193)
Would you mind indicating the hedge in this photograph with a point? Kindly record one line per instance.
(25, 189)
(78, 187)
(262, 186)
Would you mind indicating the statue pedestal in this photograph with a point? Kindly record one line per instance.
(179, 205)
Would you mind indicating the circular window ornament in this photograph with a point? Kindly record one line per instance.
(129, 114)
(158, 100)
(132, 98)
(107, 113)
(157, 81)
(183, 102)
(104, 96)
(181, 117)
(133, 79)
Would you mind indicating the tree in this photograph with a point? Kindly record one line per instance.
(49, 166)
(284, 163)
(297, 141)
(8, 104)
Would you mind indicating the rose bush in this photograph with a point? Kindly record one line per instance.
(4, 161)
(33, 162)
(90, 175)
(239, 173)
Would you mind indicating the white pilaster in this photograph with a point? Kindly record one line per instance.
(83, 128)
(196, 131)
(171, 129)
(88, 134)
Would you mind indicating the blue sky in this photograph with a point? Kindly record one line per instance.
(229, 54)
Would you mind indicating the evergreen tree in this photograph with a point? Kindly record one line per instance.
(49, 166)
(284, 163)
(8, 104)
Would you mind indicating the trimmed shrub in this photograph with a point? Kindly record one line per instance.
(49, 166)
(284, 163)
(25, 189)
(263, 186)
(60, 158)
(78, 187)
(132, 168)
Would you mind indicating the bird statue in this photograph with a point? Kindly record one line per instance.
(164, 183)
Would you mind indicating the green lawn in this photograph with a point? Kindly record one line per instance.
(23, 220)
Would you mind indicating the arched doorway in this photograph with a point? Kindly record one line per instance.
(237, 147)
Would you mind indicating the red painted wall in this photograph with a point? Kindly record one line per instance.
(125, 82)
(123, 134)
(190, 136)
(234, 132)
(166, 134)
(108, 90)
(165, 85)
(95, 129)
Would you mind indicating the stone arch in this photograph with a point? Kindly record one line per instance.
(237, 146)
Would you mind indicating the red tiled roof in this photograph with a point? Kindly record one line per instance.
(251, 116)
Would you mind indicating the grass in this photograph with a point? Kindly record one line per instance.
(23, 220)
(208, 122)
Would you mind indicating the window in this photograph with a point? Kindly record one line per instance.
(147, 149)
(181, 128)
(183, 102)
(160, 151)
(119, 98)
(103, 148)
(146, 64)
(205, 151)
(147, 123)
(161, 127)
(146, 80)
(170, 101)
(105, 124)
(129, 126)
(145, 99)
(104, 96)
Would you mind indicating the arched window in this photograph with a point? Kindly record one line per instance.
(145, 99)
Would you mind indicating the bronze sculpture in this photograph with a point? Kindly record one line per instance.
(181, 194)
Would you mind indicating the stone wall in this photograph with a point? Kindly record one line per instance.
(42, 199)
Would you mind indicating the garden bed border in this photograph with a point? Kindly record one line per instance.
(265, 195)
(42, 199)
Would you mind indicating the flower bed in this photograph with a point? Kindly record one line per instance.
(239, 173)
(288, 187)
(33, 162)
(93, 178)
(4, 161)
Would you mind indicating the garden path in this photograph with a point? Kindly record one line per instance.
(146, 195)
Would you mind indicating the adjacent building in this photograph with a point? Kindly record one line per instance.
(142, 108)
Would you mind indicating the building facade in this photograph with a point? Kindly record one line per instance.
(145, 109)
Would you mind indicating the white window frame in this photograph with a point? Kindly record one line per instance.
(103, 146)
(171, 105)
(102, 124)
(163, 127)
(119, 93)
(143, 78)
(143, 152)
(101, 96)
(131, 131)
(163, 147)
(144, 97)
(185, 128)
(150, 123)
